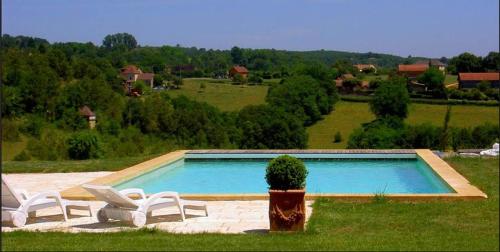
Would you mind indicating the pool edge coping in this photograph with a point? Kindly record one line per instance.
(462, 187)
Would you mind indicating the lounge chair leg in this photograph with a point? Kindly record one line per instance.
(206, 211)
(138, 219)
(32, 214)
(18, 219)
(101, 216)
(182, 212)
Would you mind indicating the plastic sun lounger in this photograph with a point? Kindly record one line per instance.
(18, 205)
(121, 207)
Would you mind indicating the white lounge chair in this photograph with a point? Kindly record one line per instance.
(121, 207)
(17, 205)
(492, 152)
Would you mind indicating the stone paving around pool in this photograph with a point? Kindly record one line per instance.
(223, 216)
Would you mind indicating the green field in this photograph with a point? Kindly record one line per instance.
(222, 93)
(350, 115)
(449, 79)
(437, 225)
(371, 77)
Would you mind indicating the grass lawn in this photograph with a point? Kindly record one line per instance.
(350, 115)
(335, 225)
(449, 79)
(371, 77)
(90, 165)
(222, 94)
(11, 149)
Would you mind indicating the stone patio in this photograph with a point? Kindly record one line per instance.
(223, 216)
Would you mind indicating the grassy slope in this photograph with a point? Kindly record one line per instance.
(350, 115)
(335, 225)
(225, 96)
(90, 165)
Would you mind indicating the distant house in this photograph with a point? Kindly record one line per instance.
(434, 63)
(363, 67)
(238, 70)
(471, 80)
(89, 115)
(132, 73)
(413, 70)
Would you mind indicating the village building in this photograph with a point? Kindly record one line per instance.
(433, 63)
(412, 70)
(89, 115)
(243, 71)
(131, 74)
(364, 67)
(472, 80)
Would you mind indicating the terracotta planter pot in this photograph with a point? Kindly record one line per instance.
(287, 210)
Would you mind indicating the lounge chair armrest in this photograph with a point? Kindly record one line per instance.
(23, 193)
(129, 191)
(151, 200)
(42, 195)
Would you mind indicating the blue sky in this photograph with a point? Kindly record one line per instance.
(402, 27)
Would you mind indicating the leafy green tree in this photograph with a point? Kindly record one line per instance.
(465, 62)
(301, 96)
(433, 79)
(391, 99)
(237, 56)
(119, 41)
(492, 62)
(267, 127)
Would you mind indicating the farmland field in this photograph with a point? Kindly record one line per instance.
(222, 94)
(350, 115)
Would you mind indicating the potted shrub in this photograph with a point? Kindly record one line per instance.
(286, 177)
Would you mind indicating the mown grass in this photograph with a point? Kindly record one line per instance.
(105, 164)
(449, 79)
(350, 115)
(435, 225)
(222, 94)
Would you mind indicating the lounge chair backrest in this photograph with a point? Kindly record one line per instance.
(496, 146)
(111, 196)
(9, 197)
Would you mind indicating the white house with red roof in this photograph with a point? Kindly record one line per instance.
(132, 74)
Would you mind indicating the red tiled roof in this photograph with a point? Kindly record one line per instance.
(131, 69)
(85, 111)
(240, 69)
(413, 68)
(146, 76)
(479, 76)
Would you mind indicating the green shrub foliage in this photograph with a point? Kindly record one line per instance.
(285, 173)
(391, 99)
(83, 145)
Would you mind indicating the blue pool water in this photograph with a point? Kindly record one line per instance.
(326, 175)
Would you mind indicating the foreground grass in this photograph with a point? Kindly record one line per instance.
(110, 164)
(350, 115)
(335, 225)
(222, 94)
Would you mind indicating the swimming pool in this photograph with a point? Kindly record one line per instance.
(243, 173)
